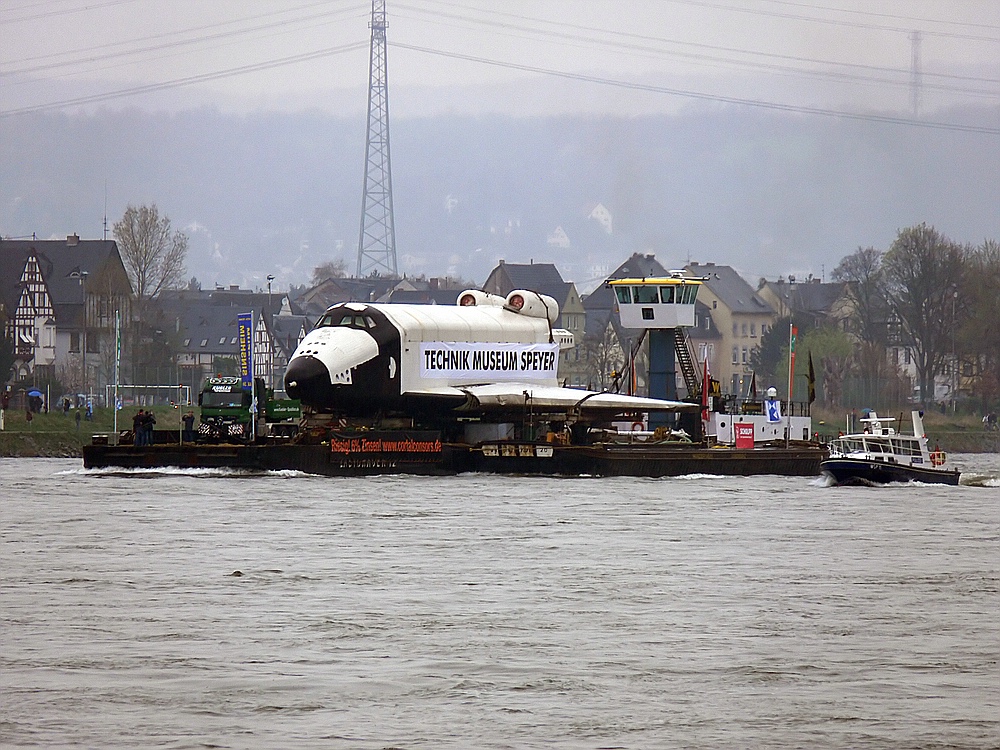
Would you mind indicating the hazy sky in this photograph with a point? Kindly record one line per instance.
(518, 56)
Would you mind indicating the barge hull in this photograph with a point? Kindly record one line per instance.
(522, 458)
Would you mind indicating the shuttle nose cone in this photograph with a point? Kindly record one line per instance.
(307, 379)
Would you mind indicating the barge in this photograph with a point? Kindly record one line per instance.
(376, 452)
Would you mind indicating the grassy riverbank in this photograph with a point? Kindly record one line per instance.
(54, 435)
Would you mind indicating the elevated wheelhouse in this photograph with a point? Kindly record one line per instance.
(665, 302)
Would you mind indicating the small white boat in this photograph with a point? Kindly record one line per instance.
(880, 455)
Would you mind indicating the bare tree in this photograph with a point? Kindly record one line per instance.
(924, 272)
(605, 358)
(332, 269)
(862, 271)
(979, 336)
(154, 257)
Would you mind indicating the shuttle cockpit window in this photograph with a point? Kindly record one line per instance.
(624, 294)
(667, 295)
(346, 320)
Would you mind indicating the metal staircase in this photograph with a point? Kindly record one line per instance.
(686, 360)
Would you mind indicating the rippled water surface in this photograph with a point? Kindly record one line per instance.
(205, 609)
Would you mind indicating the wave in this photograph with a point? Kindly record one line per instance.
(979, 480)
(178, 471)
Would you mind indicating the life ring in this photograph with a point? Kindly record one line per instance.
(638, 427)
(937, 458)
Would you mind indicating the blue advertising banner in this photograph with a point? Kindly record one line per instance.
(245, 323)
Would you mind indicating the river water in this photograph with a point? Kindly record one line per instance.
(209, 609)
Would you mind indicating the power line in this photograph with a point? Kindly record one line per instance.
(759, 103)
(908, 19)
(178, 82)
(64, 12)
(829, 21)
(602, 34)
(88, 54)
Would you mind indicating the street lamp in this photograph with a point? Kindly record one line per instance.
(954, 357)
(271, 377)
(82, 276)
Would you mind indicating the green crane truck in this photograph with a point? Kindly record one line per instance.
(226, 412)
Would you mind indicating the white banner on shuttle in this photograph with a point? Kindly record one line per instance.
(491, 362)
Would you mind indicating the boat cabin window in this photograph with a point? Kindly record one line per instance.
(851, 446)
(646, 295)
(878, 446)
(905, 447)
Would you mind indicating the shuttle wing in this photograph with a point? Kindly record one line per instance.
(500, 396)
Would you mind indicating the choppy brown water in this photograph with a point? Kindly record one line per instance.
(494, 612)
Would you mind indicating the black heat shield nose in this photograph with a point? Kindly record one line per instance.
(308, 380)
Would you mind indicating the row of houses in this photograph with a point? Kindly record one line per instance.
(58, 301)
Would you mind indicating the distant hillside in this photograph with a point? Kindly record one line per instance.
(766, 192)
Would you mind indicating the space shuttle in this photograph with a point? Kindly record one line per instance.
(486, 355)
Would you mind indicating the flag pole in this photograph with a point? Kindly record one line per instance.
(118, 359)
(791, 368)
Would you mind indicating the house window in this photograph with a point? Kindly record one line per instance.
(763, 328)
(233, 341)
(753, 330)
(736, 355)
(187, 342)
(204, 342)
(746, 357)
(222, 340)
(736, 330)
(744, 330)
(74, 342)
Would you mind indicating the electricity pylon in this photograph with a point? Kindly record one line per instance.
(377, 241)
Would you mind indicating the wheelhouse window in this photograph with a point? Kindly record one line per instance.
(646, 295)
